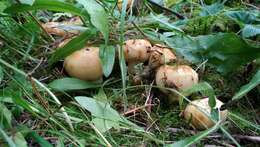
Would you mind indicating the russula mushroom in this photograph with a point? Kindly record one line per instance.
(136, 51)
(120, 4)
(160, 55)
(84, 64)
(198, 112)
(179, 77)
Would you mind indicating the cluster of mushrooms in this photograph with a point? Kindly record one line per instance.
(85, 64)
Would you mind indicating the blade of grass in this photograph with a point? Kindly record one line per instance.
(229, 136)
(44, 87)
(7, 138)
(121, 52)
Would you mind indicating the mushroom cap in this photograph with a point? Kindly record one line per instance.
(137, 50)
(179, 77)
(84, 64)
(197, 116)
(161, 55)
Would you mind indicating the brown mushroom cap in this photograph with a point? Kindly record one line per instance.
(195, 112)
(84, 64)
(161, 55)
(179, 77)
(137, 50)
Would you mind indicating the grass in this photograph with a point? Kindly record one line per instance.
(46, 117)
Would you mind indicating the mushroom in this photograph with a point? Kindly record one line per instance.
(160, 55)
(179, 77)
(136, 51)
(84, 64)
(120, 4)
(198, 112)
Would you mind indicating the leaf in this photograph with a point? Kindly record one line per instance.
(225, 51)
(104, 125)
(5, 117)
(66, 84)
(211, 9)
(107, 55)
(98, 16)
(166, 23)
(74, 45)
(250, 30)
(191, 140)
(29, 2)
(246, 17)
(246, 88)
(19, 140)
(52, 5)
(104, 117)
(205, 89)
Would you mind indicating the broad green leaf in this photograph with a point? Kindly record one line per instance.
(98, 16)
(191, 140)
(107, 55)
(104, 117)
(67, 84)
(205, 89)
(250, 30)
(246, 88)
(52, 5)
(101, 96)
(28, 2)
(75, 44)
(104, 125)
(166, 23)
(243, 16)
(225, 51)
(211, 9)
(19, 140)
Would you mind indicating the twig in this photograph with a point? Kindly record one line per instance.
(36, 67)
(137, 109)
(246, 137)
(167, 9)
(38, 95)
(149, 98)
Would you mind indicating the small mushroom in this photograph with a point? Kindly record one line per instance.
(179, 77)
(136, 51)
(160, 55)
(84, 64)
(196, 111)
